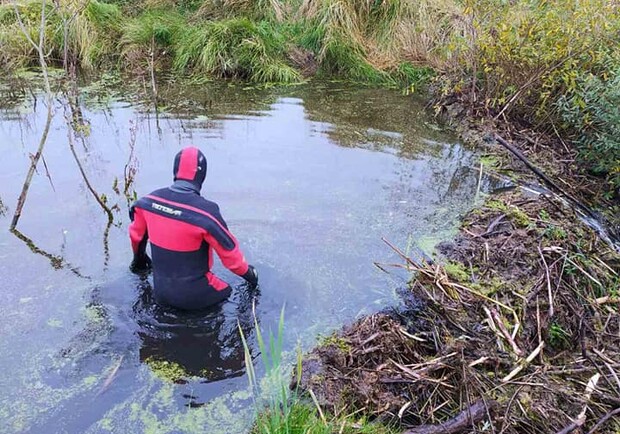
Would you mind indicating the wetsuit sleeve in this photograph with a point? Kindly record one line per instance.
(137, 230)
(226, 246)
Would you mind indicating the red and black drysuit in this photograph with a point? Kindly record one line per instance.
(184, 229)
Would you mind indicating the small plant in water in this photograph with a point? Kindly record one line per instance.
(281, 410)
(272, 402)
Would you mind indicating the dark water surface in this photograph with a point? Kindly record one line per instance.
(309, 179)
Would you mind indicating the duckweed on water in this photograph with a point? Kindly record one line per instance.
(167, 370)
(154, 410)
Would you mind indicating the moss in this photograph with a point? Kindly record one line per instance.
(457, 271)
(517, 215)
(490, 161)
(337, 341)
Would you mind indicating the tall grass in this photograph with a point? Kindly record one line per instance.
(371, 41)
(91, 29)
(146, 37)
(235, 48)
(271, 396)
(243, 39)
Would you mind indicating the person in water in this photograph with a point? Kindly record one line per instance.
(183, 229)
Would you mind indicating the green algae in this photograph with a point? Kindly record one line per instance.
(167, 370)
(153, 409)
(40, 397)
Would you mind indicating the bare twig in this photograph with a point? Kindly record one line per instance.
(524, 363)
(104, 207)
(48, 93)
(500, 324)
(604, 419)
(581, 418)
(548, 276)
(111, 377)
(461, 422)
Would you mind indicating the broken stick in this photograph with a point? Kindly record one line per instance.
(461, 422)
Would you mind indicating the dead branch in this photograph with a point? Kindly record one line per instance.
(548, 181)
(48, 93)
(461, 422)
(604, 419)
(104, 207)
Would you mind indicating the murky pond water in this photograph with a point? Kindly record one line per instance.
(309, 179)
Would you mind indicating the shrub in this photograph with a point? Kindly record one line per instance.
(591, 114)
(529, 52)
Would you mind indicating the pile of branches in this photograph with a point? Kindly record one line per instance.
(517, 331)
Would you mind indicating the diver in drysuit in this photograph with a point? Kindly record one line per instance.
(184, 229)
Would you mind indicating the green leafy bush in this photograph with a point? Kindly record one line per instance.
(591, 113)
(529, 52)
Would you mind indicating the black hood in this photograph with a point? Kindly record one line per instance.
(190, 165)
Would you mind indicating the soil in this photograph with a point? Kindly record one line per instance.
(542, 146)
(520, 312)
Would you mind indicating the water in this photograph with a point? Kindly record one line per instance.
(309, 179)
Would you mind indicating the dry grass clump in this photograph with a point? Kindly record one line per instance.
(386, 33)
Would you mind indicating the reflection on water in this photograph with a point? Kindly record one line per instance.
(309, 178)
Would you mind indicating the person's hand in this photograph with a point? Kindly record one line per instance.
(251, 276)
(141, 263)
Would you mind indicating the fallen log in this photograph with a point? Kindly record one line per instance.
(462, 421)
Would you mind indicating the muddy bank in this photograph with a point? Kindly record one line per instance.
(543, 148)
(517, 320)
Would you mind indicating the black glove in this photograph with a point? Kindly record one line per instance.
(251, 276)
(141, 263)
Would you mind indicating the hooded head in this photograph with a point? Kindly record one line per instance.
(190, 165)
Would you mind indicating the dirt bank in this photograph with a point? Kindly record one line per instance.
(542, 146)
(517, 320)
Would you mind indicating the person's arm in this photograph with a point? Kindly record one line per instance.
(227, 248)
(138, 235)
